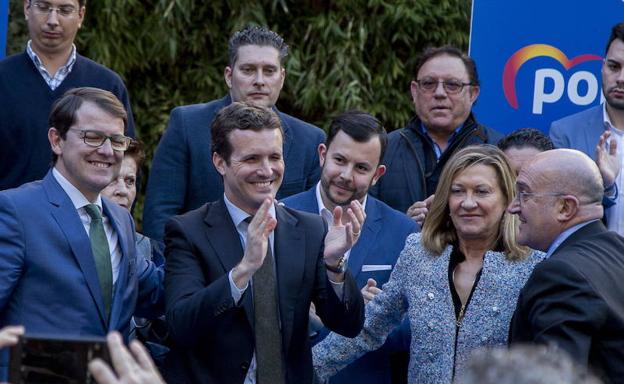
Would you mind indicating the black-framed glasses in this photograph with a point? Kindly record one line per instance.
(96, 139)
(43, 8)
(429, 85)
(524, 197)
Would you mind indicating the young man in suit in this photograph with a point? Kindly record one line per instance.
(574, 297)
(183, 177)
(68, 265)
(590, 130)
(241, 272)
(32, 80)
(350, 162)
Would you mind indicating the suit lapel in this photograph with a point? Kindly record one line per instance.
(68, 220)
(124, 263)
(371, 228)
(225, 241)
(593, 129)
(287, 133)
(289, 247)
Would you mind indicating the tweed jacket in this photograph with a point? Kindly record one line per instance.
(419, 287)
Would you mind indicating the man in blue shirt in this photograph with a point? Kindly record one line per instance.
(32, 80)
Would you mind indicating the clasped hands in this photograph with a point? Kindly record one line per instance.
(341, 236)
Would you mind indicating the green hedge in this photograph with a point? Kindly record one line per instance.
(344, 54)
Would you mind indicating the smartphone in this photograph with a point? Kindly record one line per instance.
(48, 359)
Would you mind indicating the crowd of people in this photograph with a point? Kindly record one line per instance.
(273, 252)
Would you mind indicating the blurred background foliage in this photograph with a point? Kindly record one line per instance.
(344, 54)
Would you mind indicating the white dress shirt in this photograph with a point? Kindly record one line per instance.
(80, 201)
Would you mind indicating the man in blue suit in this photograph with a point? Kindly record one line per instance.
(351, 164)
(68, 265)
(183, 177)
(588, 131)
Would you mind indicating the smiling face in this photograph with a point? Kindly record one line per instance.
(257, 76)
(476, 204)
(53, 34)
(122, 190)
(87, 168)
(613, 75)
(350, 168)
(537, 211)
(439, 111)
(255, 168)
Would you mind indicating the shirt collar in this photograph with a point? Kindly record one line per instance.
(39, 64)
(436, 147)
(78, 199)
(323, 211)
(238, 215)
(564, 235)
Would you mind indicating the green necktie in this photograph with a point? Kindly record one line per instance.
(101, 255)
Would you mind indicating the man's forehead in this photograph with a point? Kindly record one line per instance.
(257, 53)
(616, 51)
(443, 65)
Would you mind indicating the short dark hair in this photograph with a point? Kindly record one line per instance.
(243, 116)
(360, 126)
(136, 152)
(63, 113)
(431, 52)
(256, 36)
(526, 137)
(617, 32)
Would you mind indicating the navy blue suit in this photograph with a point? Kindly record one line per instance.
(183, 177)
(212, 336)
(48, 278)
(382, 239)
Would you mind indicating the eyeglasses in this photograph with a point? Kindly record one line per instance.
(96, 139)
(450, 86)
(45, 9)
(523, 197)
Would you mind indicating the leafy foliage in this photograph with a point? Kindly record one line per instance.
(344, 54)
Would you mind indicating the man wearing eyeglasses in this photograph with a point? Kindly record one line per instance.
(573, 298)
(30, 82)
(68, 264)
(445, 88)
(585, 130)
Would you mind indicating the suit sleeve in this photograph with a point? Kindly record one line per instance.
(151, 301)
(563, 308)
(168, 179)
(558, 136)
(314, 174)
(193, 305)
(383, 314)
(12, 249)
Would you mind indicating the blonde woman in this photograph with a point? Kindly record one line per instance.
(457, 281)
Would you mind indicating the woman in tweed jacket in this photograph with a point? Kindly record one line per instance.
(458, 281)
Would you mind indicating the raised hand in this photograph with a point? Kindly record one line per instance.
(256, 245)
(418, 211)
(607, 160)
(341, 237)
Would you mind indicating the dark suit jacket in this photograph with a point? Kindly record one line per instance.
(382, 240)
(48, 279)
(213, 337)
(183, 177)
(575, 299)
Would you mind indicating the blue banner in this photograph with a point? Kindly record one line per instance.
(539, 60)
(4, 21)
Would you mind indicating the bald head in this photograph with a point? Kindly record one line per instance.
(568, 171)
(557, 190)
